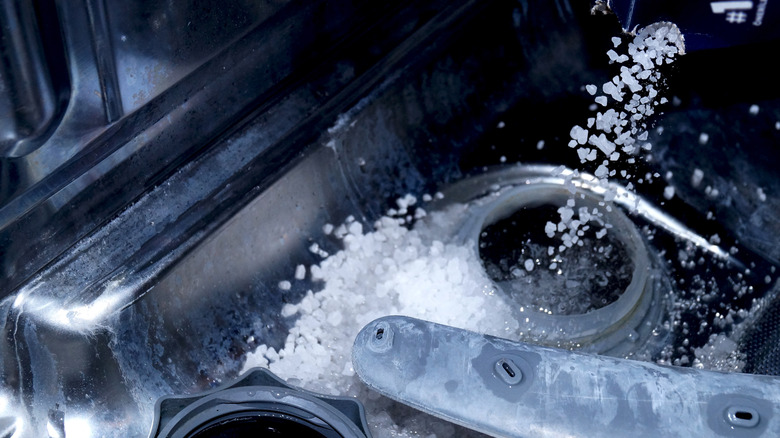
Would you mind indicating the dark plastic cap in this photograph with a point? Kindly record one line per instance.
(705, 24)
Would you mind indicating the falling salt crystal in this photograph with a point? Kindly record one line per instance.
(300, 272)
(327, 229)
(601, 233)
(540, 145)
(579, 134)
(697, 177)
(502, 159)
(616, 41)
(501, 125)
(601, 142)
(777, 126)
(669, 192)
(602, 100)
(558, 171)
(613, 90)
(285, 285)
(427, 198)
(753, 109)
(715, 239)
(591, 89)
(704, 138)
(761, 194)
(529, 265)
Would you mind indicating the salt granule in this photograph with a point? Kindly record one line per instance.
(761, 194)
(697, 177)
(753, 110)
(669, 192)
(704, 138)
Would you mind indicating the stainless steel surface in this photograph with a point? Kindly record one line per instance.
(143, 239)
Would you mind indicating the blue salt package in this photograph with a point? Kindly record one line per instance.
(705, 24)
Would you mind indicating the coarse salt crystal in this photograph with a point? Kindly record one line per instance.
(669, 192)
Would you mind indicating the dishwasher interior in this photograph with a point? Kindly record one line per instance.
(189, 191)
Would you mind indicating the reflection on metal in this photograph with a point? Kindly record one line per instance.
(28, 100)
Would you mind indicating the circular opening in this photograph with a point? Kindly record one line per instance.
(265, 424)
(594, 298)
(519, 256)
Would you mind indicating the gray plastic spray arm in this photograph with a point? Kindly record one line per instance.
(506, 388)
